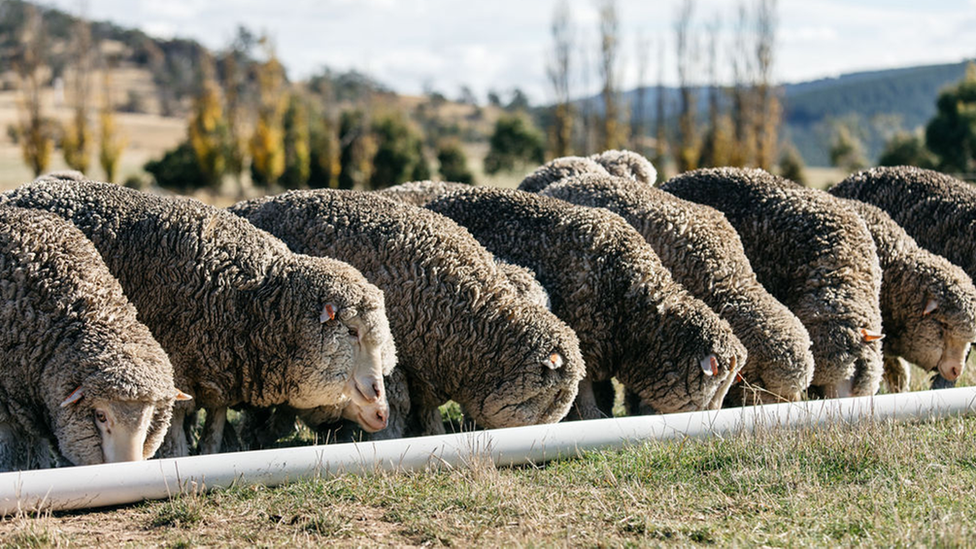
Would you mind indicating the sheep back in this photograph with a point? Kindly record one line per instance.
(603, 279)
(813, 254)
(704, 254)
(462, 331)
(560, 168)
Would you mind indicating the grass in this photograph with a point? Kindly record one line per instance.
(877, 483)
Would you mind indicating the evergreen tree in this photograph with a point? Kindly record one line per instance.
(907, 149)
(791, 165)
(515, 141)
(297, 144)
(454, 163)
(951, 134)
(399, 153)
(357, 148)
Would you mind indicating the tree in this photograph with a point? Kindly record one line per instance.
(768, 108)
(558, 70)
(639, 120)
(518, 102)
(660, 130)
(514, 142)
(613, 133)
(847, 149)
(791, 165)
(454, 163)
(207, 130)
(77, 140)
(235, 85)
(111, 142)
(742, 101)
(178, 170)
(951, 134)
(34, 130)
(267, 143)
(356, 150)
(297, 144)
(399, 152)
(688, 145)
(323, 153)
(907, 149)
(718, 142)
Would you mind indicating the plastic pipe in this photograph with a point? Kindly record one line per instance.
(120, 483)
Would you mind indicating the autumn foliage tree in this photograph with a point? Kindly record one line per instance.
(267, 143)
(207, 130)
(297, 154)
(111, 142)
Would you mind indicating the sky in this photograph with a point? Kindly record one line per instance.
(417, 45)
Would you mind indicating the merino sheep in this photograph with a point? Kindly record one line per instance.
(928, 305)
(243, 319)
(463, 332)
(627, 164)
(816, 256)
(937, 210)
(704, 254)
(76, 367)
(419, 193)
(560, 168)
(634, 322)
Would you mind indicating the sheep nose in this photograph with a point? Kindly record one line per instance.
(382, 418)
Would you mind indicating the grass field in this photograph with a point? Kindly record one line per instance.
(878, 483)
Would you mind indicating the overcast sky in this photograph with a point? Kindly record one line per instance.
(500, 44)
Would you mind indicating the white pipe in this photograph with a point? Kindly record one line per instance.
(119, 483)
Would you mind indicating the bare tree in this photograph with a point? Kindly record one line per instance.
(586, 117)
(639, 121)
(609, 46)
(717, 146)
(660, 132)
(742, 107)
(558, 71)
(34, 129)
(768, 105)
(77, 140)
(688, 146)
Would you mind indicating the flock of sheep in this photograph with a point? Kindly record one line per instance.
(123, 313)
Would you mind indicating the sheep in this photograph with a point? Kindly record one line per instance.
(627, 164)
(704, 254)
(79, 371)
(463, 332)
(937, 210)
(816, 256)
(633, 321)
(560, 168)
(418, 193)
(243, 319)
(928, 305)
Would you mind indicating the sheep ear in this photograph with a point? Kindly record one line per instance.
(75, 396)
(180, 395)
(930, 306)
(328, 313)
(709, 365)
(870, 336)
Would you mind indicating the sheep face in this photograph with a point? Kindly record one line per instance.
(530, 373)
(849, 360)
(702, 363)
(343, 345)
(938, 340)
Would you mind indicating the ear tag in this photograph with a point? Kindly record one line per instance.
(75, 396)
(328, 313)
(180, 395)
(870, 336)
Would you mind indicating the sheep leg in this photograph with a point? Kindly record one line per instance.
(213, 430)
(604, 395)
(10, 448)
(897, 374)
(174, 444)
(585, 406)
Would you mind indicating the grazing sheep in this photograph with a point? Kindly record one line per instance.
(419, 193)
(704, 254)
(937, 210)
(77, 370)
(928, 305)
(627, 164)
(816, 256)
(560, 168)
(633, 321)
(462, 331)
(243, 319)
